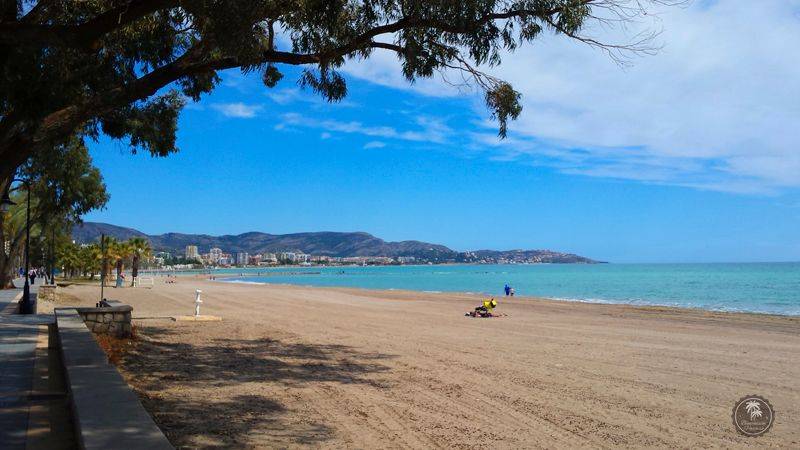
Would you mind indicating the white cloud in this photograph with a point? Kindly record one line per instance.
(285, 96)
(374, 144)
(239, 110)
(716, 108)
(293, 95)
(430, 129)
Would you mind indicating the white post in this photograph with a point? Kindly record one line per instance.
(197, 302)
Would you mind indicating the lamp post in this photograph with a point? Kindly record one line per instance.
(53, 256)
(26, 306)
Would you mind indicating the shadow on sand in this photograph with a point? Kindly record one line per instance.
(168, 375)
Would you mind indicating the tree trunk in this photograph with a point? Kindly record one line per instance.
(104, 271)
(5, 278)
(8, 271)
(135, 268)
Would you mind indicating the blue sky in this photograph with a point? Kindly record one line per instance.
(688, 155)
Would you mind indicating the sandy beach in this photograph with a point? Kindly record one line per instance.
(297, 366)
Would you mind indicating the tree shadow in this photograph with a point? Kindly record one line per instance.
(232, 423)
(159, 367)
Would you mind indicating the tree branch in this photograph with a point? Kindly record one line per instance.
(17, 138)
(86, 35)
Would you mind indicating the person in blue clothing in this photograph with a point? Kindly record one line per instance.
(507, 289)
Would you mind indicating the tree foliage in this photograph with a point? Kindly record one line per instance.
(140, 248)
(86, 260)
(63, 185)
(125, 68)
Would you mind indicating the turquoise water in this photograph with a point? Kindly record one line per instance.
(757, 287)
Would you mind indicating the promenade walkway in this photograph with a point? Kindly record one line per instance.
(33, 409)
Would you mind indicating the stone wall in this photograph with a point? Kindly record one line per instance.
(106, 413)
(111, 317)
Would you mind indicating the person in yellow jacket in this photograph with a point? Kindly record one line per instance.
(486, 309)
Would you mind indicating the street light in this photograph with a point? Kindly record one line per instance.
(6, 203)
(26, 306)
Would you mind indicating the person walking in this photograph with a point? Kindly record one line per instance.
(32, 276)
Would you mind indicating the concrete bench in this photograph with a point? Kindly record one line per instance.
(106, 412)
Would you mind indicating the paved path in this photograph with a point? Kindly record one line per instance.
(19, 335)
(9, 299)
(17, 358)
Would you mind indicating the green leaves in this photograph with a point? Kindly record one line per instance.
(271, 76)
(503, 102)
(201, 83)
(81, 67)
(64, 183)
(326, 82)
(150, 126)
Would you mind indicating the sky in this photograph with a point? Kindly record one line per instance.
(690, 154)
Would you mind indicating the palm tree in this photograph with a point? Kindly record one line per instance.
(122, 251)
(90, 258)
(754, 409)
(108, 253)
(68, 258)
(140, 248)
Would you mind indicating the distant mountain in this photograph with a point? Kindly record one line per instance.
(90, 231)
(543, 256)
(325, 243)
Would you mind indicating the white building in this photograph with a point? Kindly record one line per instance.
(214, 255)
(224, 260)
(191, 252)
(242, 258)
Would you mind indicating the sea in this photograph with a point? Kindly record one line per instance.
(772, 288)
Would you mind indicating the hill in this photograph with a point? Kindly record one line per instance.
(327, 243)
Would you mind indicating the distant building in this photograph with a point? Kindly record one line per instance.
(268, 259)
(242, 258)
(224, 260)
(214, 255)
(191, 252)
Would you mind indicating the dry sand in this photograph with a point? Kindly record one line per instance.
(295, 366)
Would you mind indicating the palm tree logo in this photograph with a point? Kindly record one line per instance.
(753, 408)
(753, 415)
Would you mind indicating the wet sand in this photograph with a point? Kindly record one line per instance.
(298, 366)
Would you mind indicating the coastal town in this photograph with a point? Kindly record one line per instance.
(216, 257)
(192, 258)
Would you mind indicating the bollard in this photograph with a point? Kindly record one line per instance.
(197, 302)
